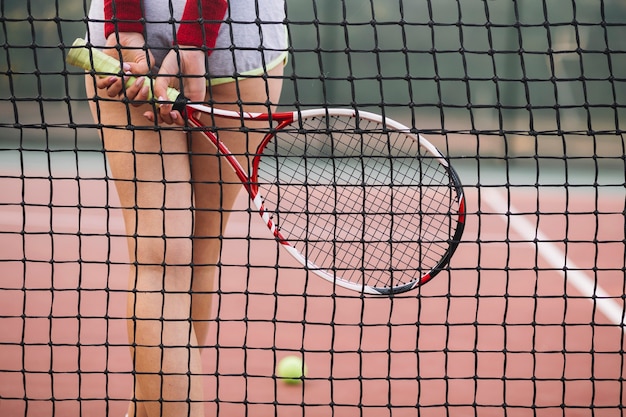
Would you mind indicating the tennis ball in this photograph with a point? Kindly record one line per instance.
(291, 369)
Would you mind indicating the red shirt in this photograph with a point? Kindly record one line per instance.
(198, 27)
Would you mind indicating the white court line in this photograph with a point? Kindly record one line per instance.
(556, 258)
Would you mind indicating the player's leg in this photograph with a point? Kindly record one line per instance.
(215, 184)
(152, 176)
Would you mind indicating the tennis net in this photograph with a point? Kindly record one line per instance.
(527, 100)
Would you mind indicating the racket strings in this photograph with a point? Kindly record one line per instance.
(363, 202)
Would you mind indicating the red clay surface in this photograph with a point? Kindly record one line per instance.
(508, 338)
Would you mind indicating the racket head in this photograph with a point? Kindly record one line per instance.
(359, 200)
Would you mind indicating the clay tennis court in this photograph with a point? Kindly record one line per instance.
(526, 98)
(504, 332)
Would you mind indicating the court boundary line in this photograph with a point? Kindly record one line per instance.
(549, 252)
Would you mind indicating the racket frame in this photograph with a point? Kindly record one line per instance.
(283, 119)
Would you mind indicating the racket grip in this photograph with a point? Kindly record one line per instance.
(91, 59)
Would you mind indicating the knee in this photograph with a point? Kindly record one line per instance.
(161, 252)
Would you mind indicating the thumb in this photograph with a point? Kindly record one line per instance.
(136, 68)
(167, 77)
(166, 97)
(162, 90)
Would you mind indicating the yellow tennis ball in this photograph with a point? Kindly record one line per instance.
(291, 369)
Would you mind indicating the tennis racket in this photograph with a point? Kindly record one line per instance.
(359, 200)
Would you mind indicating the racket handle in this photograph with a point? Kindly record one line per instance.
(91, 59)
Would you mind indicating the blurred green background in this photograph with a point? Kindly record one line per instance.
(525, 78)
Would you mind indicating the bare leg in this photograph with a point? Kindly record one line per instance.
(158, 221)
(215, 191)
(169, 304)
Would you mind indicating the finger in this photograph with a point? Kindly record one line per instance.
(132, 87)
(137, 68)
(116, 87)
(149, 115)
(143, 95)
(167, 114)
(136, 90)
(113, 85)
(154, 115)
(105, 82)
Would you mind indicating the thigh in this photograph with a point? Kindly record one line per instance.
(215, 184)
(151, 171)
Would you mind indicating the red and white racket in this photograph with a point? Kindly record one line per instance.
(360, 200)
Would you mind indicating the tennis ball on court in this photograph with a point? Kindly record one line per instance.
(291, 369)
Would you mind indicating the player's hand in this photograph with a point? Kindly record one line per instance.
(183, 63)
(135, 62)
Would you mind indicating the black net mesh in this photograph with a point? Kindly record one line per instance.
(526, 98)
